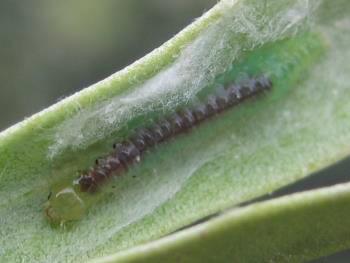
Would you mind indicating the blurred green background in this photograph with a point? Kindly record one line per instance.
(50, 49)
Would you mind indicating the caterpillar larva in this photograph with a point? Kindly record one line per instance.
(281, 63)
(131, 150)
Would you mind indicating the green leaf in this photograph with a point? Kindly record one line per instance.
(250, 151)
(295, 228)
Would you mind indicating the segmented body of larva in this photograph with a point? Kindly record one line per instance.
(131, 150)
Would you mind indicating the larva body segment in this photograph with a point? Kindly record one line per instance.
(131, 151)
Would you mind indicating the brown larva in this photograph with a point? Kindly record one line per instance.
(130, 151)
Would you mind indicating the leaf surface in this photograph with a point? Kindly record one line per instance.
(295, 228)
(241, 155)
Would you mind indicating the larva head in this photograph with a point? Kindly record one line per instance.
(64, 205)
